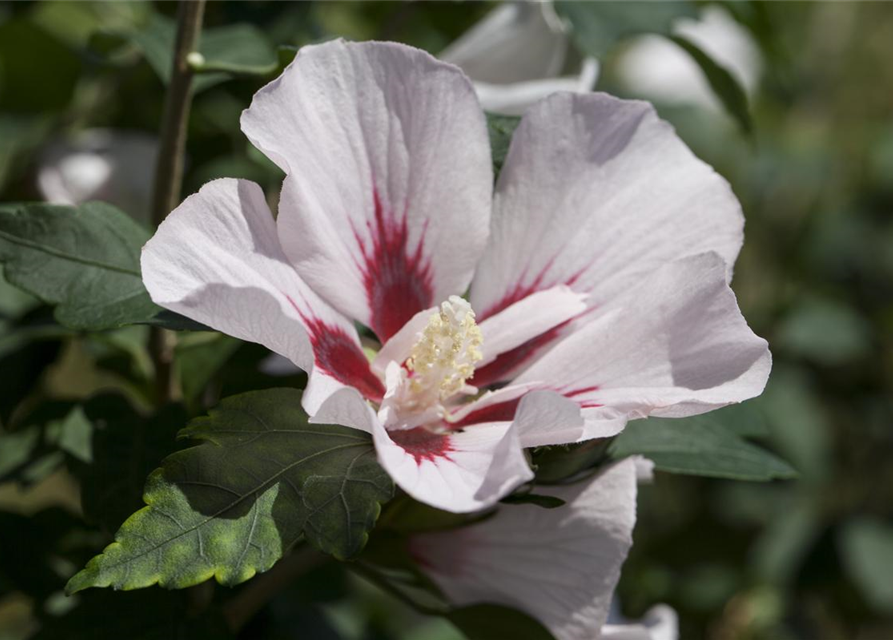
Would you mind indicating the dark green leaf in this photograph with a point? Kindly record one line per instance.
(546, 502)
(500, 129)
(598, 26)
(724, 84)
(558, 463)
(696, 446)
(199, 357)
(489, 621)
(175, 322)
(83, 259)
(239, 49)
(29, 57)
(234, 505)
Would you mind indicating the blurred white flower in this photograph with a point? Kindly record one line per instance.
(660, 622)
(100, 164)
(515, 56)
(657, 69)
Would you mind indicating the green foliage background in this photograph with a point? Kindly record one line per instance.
(804, 559)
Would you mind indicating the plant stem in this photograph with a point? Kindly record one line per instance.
(169, 170)
(242, 608)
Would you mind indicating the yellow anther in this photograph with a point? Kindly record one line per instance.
(443, 359)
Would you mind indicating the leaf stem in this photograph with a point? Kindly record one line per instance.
(169, 169)
(242, 608)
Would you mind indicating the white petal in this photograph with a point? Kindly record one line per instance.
(515, 98)
(515, 42)
(546, 417)
(655, 67)
(460, 472)
(527, 319)
(558, 565)
(596, 193)
(216, 259)
(385, 209)
(660, 622)
(675, 346)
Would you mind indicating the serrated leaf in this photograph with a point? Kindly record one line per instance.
(500, 129)
(695, 446)
(235, 504)
(599, 26)
(725, 86)
(83, 259)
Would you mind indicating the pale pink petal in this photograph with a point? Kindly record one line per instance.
(559, 565)
(674, 346)
(527, 319)
(596, 193)
(385, 210)
(460, 471)
(216, 259)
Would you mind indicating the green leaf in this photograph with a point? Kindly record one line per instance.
(234, 505)
(867, 549)
(558, 463)
(199, 357)
(239, 49)
(546, 502)
(698, 446)
(83, 259)
(598, 26)
(724, 84)
(500, 129)
(488, 621)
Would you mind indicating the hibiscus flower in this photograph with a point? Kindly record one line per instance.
(596, 273)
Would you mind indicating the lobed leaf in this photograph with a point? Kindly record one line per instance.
(233, 505)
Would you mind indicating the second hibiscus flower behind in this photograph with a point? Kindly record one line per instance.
(598, 270)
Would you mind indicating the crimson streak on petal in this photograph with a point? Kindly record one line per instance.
(397, 281)
(422, 444)
(337, 355)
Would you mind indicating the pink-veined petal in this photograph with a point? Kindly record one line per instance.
(216, 259)
(385, 209)
(596, 193)
(676, 345)
(527, 319)
(558, 565)
(460, 471)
